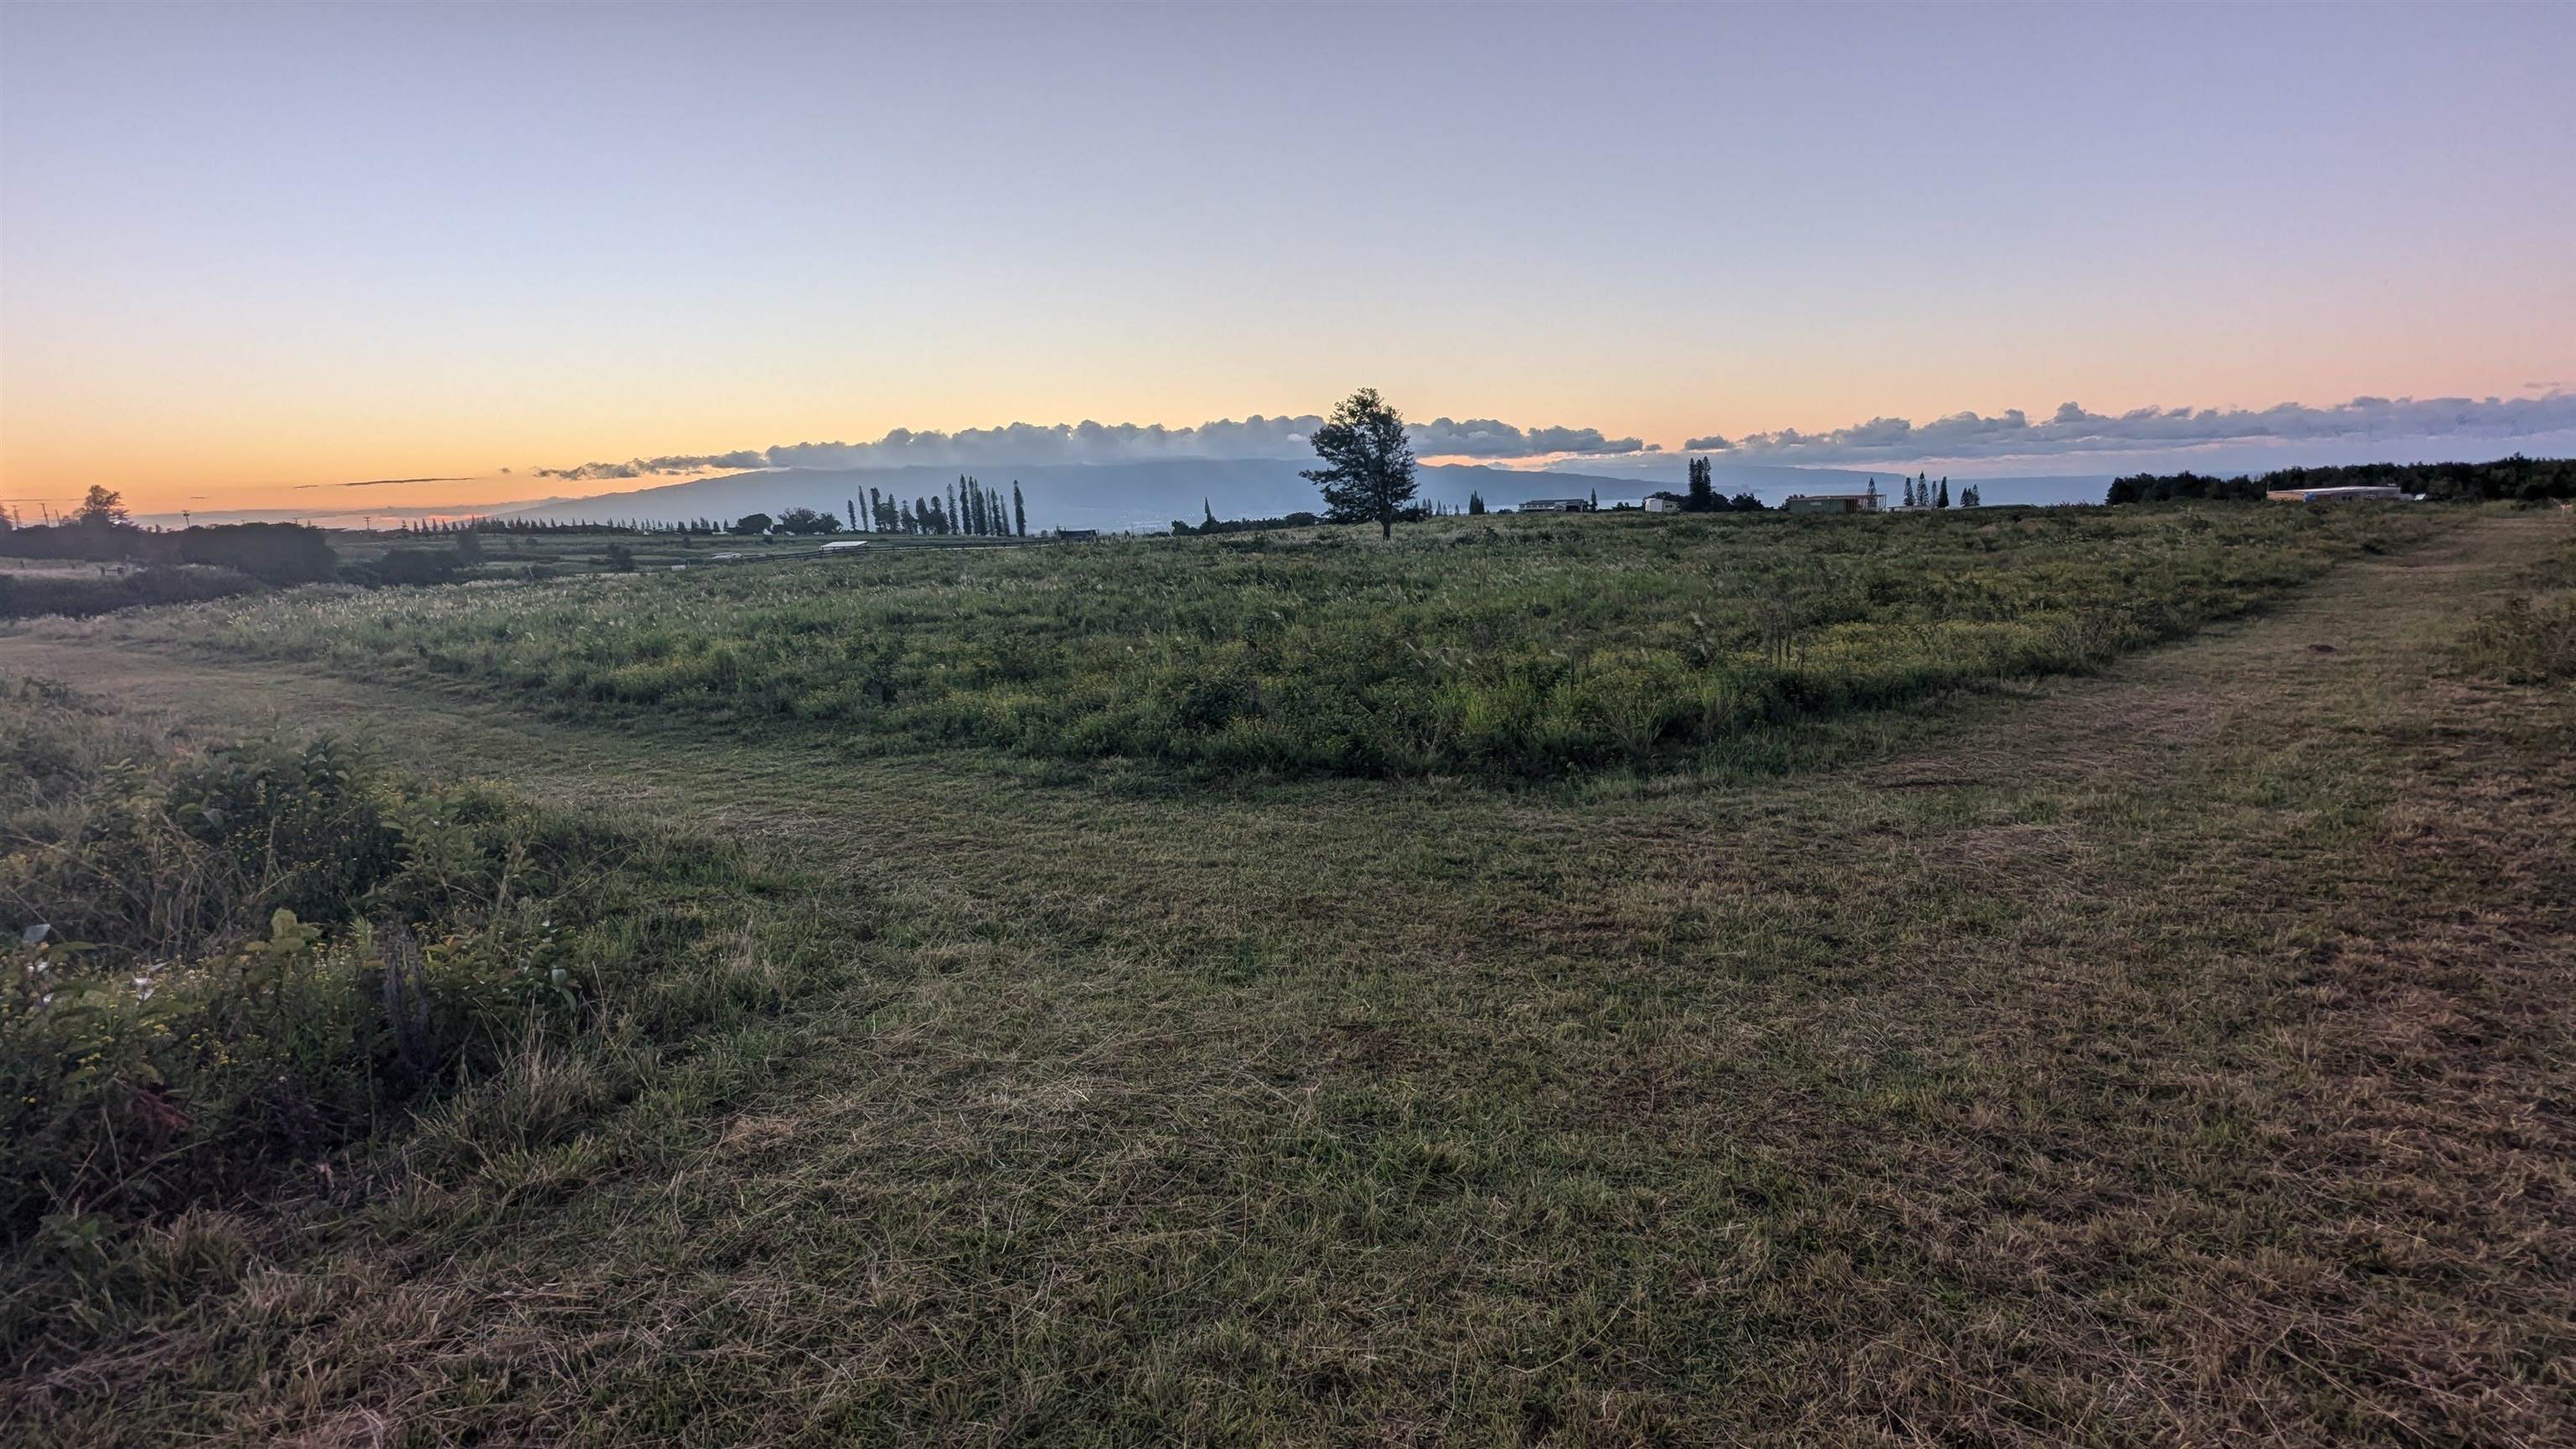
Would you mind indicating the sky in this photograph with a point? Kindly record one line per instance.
(252, 255)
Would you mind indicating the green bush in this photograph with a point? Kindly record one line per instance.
(2526, 640)
(219, 960)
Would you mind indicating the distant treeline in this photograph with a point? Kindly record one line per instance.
(1703, 496)
(1213, 524)
(161, 567)
(446, 526)
(273, 553)
(1209, 523)
(2514, 479)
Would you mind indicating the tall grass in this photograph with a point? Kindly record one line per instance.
(2529, 637)
(1503, 647)
(222, 962)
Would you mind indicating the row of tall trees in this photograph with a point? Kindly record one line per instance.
(968, 508)
(1922, 492)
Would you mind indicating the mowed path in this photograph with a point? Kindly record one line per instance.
(2165, 1057)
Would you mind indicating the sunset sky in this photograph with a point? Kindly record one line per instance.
(248, 254)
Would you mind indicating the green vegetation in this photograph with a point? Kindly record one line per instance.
(2516, 479)
(225, 961)
(1505, 647)
(2529, 636)
(80, 590)
(1367, 473)
(2173, 1056)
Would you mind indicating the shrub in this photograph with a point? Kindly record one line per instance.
(247, 954)
(79, 595)
(2526, 640)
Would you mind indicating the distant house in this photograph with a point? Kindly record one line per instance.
(1557, 505)
(2354, 493)
(1076, 535)
(1664, 503)
(847, 545)
(1868, 502)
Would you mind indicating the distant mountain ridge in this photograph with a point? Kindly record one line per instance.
(1135, 496)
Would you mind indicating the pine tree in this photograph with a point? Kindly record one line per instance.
(1944, 500)
(1703, 487)
(1019, 510)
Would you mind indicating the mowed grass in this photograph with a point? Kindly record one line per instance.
(1511, 648)
(2170, 1058)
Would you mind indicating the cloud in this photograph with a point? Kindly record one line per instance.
(2073, 430)
(1713, 443)
(384, 482)
(1486, 438)
(1093, 442)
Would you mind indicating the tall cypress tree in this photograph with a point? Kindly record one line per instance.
(1019, 510)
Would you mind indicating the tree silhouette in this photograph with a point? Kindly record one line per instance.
(1368, 463)
(103, 508)
(1703, 488)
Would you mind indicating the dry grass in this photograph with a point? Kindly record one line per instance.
(2178, 1057)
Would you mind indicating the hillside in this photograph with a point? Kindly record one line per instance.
(1119, 496)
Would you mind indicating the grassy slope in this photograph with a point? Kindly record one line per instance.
(2171, 1056)
(1522, 647)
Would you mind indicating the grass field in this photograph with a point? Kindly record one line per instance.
(1493, 647)
(2171, 1052)
(505, 556)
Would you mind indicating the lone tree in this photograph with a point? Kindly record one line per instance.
(1368, 466)
(103, 508)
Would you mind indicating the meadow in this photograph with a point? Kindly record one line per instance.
(1500, 647)
(2145, 1048)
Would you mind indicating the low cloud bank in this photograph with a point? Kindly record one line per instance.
(1031, 444)
(2072, 430)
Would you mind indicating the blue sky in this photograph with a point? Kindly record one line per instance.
(244, 248)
